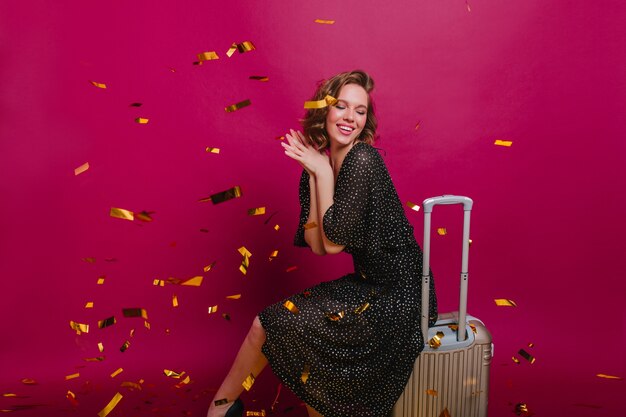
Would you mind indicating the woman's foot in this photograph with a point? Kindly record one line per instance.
(231, 409)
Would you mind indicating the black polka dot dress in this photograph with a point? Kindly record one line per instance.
(346, 347)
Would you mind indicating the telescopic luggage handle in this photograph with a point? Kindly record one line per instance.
(428, 205)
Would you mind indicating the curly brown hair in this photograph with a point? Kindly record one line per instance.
(314, 122)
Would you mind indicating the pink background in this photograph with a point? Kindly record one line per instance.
(548, 226)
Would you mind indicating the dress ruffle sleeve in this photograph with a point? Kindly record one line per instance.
(345, 220)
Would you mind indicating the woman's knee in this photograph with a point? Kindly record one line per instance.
(257, 332)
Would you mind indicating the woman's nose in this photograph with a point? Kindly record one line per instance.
(349, 114)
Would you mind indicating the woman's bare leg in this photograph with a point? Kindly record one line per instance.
(312, 412)
(249, 360)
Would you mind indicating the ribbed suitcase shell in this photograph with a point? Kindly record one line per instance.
(460, 378)
(454, 376)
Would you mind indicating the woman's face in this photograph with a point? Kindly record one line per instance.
(346, 119)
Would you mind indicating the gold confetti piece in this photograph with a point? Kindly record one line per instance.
(229, 194)
(99, 85)
(193, 281)
(469, 9)
(185, 381)
(608, 376)
(442, 231)
(89, 260)
(111, 405)
(71, 397)
(256, 211)
(173, 374)
(89, 304)
(248, 382)
(454, 327)
(445, 413)
(234, 297)
(521, 409)
(530, 358)
(209, 267)
(208, 56)
(244, 252)
(335, 316)
(507, 143)
(226, 316)
(212, 309)
(174, 301)
(325, 22)
(311, 225)
(79, 327)
(142, 120)
(291, 307)
(276, 227)
(117, 372)
(135, 312)
(146, 325)
(320, 104)
(413, 206)
(531, 345)
(261, 78)
(305, 373)
(360, 309)
(9, 394)
(100, 280)
(515, 360)
(132, 332)
(291, 268)
(125, 346)
(273, 255)
(109, 321)
(158, 283)
(135, 104)
(95, 359)
(72, 376)
(417, 125)
(279, 138)
(245, 46)
(131, 385)
(435, 342)
(100, 347)
(503, 302)
(212, 150)
(84, 167)
(144, 216)
(222, 401)
(237, 106)
(122, 214)
(432, 392)
(255, 413)
(29, 381)
(231, 50)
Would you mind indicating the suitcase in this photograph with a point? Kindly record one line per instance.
(452, 372)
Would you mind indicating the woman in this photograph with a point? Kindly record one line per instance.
(345, 347)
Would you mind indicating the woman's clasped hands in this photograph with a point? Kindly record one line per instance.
(299, 149)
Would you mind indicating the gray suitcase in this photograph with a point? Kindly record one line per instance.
(452, 372)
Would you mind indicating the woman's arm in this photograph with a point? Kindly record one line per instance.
(313, 235)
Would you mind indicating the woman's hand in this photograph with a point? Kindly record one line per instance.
(310, 158)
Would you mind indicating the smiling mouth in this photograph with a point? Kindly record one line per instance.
(345, 129)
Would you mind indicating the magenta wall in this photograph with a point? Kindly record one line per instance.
(548, 227)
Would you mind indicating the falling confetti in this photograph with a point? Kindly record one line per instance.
(193, 281)
(320, 104)
(72, 376)
(142, 120)
(273, 255)
(212, 309)
(506, 143)
(325, 22)
(530, 358)
(212, 150)
(521, 409)
(229, 194)
(84, 167)
(144, 216)
(71, 397)
(100, 280)
(117, 372)
(208, 56)
(291, 268)
(135, 104)
(125, 346)
(173, 374)
(89, 304)
(99, 85)
(109, 321)
(79, 327)
(435, 341)
(442, 231)
(237, 106)
(111, 405)
(234, 297)
(360, 309)
(122, 214)
(608, 376)
(503, 302)
(248, 382)
(261, 78)
(209, 267)
(276, 227)
(257, 211)
(311, 225)
(174, 301)
(242, 47)
(135, 312)
(305, 373)
(291, 307)
(413, 206)
(100, 347)
(431, 392)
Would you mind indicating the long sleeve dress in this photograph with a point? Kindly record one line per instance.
(346, 347)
